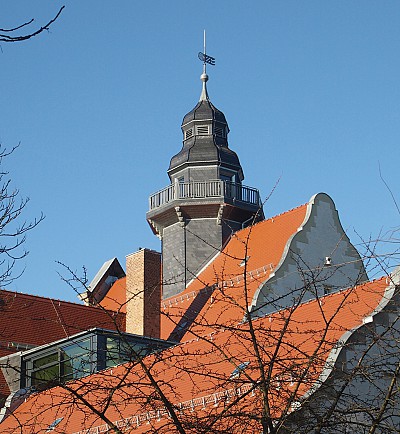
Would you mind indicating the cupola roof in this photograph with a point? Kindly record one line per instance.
(204, 109)
(205, 137)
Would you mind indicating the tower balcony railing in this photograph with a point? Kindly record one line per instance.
(205, 189)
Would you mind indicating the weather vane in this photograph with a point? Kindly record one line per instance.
(204, 77)
(204, 57)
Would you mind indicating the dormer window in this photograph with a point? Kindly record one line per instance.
(188, 133)
(202, 130)
(81, 355)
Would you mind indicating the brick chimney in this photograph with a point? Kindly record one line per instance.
(143, 293)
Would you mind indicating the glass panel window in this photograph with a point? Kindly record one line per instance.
(46, 360)
(45, 369)
(240, 368)
(120, 351)
(76, 367)
(77, 349)
(54, 424)
(114, 354)
(76, 360)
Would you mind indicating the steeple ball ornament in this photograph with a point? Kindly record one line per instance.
(204, 78)
(204, 93)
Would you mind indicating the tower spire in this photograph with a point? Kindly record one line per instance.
(192, 226)
(205, 53)
(204, 77)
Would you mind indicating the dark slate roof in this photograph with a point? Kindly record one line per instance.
(204, 109)
(206, 149)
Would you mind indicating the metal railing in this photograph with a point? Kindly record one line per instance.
(205, 189)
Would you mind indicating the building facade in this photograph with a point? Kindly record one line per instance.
(242, 324)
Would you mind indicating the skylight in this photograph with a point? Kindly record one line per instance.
(244, 262)
(54, 424)
(240, 368)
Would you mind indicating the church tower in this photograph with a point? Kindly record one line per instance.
(206, 202)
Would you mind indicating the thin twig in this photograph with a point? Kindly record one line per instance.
(387, 186)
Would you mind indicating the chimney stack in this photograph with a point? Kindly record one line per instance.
(143, 293)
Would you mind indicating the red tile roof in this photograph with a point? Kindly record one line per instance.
(196, 376)
(32, 320)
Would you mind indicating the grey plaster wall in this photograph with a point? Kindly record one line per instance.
(357, 393)
(302, 273)
(11, 368)
(186, 249)
(203, 241)
(203, 173)
(196, 173)
(173, 260)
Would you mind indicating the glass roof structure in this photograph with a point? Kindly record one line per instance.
(83, 354)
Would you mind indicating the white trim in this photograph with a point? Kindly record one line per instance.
(334, 354)
(196, 121)
(286, 249)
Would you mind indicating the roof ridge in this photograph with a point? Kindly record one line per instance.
(271, 218)
(275, 312)
(288, 211)
(44, 298)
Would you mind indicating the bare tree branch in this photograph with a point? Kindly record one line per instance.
(7, 35)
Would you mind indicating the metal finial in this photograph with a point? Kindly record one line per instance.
(204, 77)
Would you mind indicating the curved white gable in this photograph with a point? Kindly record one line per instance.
(318, 259)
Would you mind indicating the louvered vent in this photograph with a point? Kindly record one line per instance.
(219, 131)
(202, 130)
(188, 133)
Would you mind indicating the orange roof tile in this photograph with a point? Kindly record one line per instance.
(263, 244)
(196, 376)
(115, 299)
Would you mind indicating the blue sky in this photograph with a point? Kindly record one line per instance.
(310, 90)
